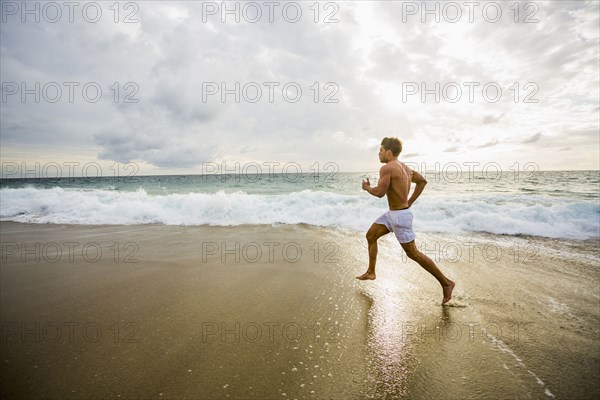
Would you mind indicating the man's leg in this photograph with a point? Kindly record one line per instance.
(375, 232)
(414, 254)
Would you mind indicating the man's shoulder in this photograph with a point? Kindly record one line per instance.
(404, 167)
(386, 167)
(395, 165)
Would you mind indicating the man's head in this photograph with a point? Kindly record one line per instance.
(390, 149)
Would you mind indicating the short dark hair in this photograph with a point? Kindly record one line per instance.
(393, 144)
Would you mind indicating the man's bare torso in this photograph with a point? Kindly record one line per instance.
(400, 178)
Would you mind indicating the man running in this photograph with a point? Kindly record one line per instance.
(394, 180)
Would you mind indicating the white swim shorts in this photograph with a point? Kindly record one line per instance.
(399, 222)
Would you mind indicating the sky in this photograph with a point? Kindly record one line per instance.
(187, 87)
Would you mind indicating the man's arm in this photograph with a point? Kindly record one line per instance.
(420, 183)
(383, 185)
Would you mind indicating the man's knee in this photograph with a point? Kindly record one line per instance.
(412, 252)
(371, 237)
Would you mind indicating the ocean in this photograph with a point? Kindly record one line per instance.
(552, 204)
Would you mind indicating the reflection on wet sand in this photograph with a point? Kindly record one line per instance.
(388, 356)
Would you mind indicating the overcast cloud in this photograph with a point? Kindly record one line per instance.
(373, 62)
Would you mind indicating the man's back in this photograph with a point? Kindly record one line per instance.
(400, 178)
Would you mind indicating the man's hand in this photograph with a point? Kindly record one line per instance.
(366, 185)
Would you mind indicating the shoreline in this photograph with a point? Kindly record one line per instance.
(482, 234)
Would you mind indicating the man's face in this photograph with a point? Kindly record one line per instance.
(383, 155)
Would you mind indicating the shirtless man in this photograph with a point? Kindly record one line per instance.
(394, 180)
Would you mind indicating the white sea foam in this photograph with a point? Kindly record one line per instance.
(530, 215)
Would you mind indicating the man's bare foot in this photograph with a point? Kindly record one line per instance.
(448, 291)
(366, 276)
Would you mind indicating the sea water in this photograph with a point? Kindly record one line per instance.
(555, 204)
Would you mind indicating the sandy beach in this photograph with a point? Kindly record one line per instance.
(274, 312)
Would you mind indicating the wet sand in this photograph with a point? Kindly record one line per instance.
(269, 312)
